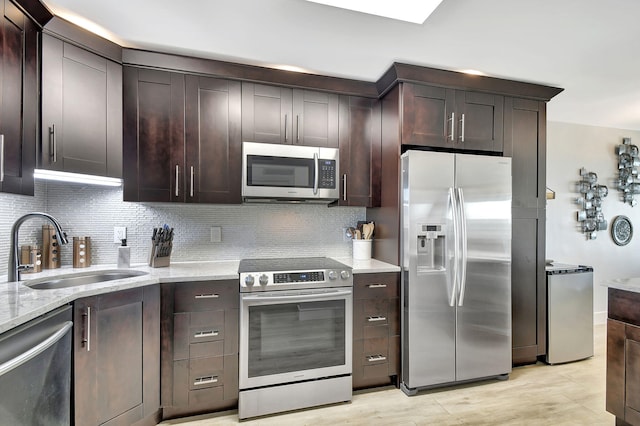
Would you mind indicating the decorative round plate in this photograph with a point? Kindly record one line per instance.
(621, 230)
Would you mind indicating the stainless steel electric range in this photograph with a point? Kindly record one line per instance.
(295, 334)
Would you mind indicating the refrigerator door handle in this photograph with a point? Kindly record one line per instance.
(453, 205)
(463, 246)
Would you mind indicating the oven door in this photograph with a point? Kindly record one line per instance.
(291, 336)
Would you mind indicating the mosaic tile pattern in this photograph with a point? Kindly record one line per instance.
(247, 230)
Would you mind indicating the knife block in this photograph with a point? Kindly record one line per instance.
(160, 255)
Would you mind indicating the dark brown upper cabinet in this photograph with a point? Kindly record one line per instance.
(153, 135)
(81, 110)
(18, 100)
(360, 151)
(449, 118)
(213, 140)
(182, 140)
(273, 114)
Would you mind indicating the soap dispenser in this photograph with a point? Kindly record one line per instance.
(124, 255)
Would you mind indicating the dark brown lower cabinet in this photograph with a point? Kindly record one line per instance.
(199, 352)
(376, 329)
(623, 357)
(116, 358)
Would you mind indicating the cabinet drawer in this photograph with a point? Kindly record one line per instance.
(371, 286)
(196, 328)
(206, 372)
(206, 296)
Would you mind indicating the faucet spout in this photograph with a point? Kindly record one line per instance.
(13, 270)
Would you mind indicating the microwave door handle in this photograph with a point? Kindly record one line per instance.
(316, 174)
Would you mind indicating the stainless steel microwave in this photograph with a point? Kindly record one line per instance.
(289, 173)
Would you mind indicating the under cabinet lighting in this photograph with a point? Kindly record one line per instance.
(76, 178)
(402, 10)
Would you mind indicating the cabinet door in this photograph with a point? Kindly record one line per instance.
(116, 357)
(525, 142)
(360, 151)
(480, 119)
(81, 110)
(153, 132)
(315, 118)
(266, 114)
(213, 140)
(427, 114)
(18, 100)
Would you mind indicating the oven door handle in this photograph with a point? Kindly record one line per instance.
(285, 298)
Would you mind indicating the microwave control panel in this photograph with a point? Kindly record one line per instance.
(327, 174)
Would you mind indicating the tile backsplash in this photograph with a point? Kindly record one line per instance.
(248, 231)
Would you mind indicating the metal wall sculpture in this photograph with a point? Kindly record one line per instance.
(590, 214)
(628, 163)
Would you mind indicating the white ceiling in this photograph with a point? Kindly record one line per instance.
(591, 48)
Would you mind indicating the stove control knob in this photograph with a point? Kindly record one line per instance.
(249, 280)
(264, 279)
(345, 275)
(333, 275)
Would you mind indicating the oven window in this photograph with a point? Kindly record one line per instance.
(296, 336)
(280, 171)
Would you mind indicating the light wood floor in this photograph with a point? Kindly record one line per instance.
(568, 394)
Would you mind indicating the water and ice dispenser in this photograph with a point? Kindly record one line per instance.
(431, 247)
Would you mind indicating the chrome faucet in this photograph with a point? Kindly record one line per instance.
(14, 268)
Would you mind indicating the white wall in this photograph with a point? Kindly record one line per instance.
(570, 147)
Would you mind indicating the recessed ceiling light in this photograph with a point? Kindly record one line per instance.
(415, 11)
(473, 72)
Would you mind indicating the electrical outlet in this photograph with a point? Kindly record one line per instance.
(216, 234)
(345, 237)
(119, 234)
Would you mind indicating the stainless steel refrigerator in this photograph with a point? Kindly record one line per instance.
(456, 268)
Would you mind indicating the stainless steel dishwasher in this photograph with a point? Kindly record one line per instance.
(35, 371)
(569, 313)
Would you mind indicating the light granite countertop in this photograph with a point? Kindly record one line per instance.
(21, 303)
(628, 284)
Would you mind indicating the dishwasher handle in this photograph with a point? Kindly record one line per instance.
(36, 350)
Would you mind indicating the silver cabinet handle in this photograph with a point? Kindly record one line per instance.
(1, 158)
(297, 128)
(344, 187)
(36, 350)
(374, 358)
(376, 318)
(462, 128)
(377, 286)
(316, 176)
(286, 116)
(87, 320)
(205, 333)
(177, 180)
(192, 175)
(205, 380)
(453, 126)
(54, 143)
(207, 296)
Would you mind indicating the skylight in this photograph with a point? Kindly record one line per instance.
(415, 11)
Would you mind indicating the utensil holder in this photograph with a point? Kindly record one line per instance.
(362, 249)
(81, 252)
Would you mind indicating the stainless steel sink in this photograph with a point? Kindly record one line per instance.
(83, 278)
